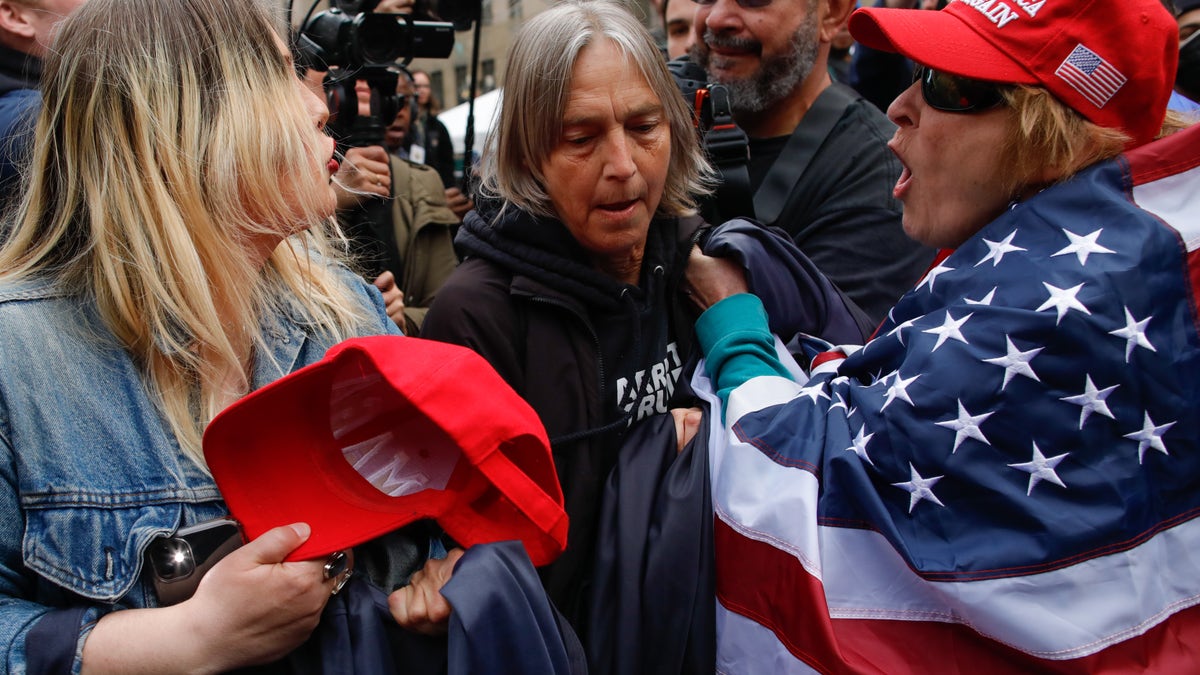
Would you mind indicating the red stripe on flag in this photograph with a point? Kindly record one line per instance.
(826, 357)
(771, 587)
(1165, 157)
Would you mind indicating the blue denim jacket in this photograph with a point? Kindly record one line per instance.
(89, 471)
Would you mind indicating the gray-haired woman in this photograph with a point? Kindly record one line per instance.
(570, 283)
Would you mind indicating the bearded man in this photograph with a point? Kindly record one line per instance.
(819, 164)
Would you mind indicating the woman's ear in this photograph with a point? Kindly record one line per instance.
(15, 19)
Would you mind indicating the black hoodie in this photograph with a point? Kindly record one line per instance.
(590, 354)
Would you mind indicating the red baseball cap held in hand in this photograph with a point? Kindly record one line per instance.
(384, 431)
(1112, 61)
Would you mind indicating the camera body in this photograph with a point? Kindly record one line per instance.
(334, 38)
(353, 42)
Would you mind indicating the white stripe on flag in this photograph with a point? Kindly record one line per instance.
(1063, 614)
(743, 641)
(1175, 199)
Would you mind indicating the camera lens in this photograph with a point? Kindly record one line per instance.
(380, 37)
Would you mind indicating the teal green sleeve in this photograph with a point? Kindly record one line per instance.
(737, 343)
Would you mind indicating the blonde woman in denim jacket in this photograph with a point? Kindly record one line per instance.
(168, 256)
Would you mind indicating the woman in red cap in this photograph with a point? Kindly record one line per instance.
(1006, 477)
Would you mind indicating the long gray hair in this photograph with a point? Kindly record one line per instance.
(537, 86)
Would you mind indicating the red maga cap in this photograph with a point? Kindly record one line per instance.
(1112, 61)
(384, 431)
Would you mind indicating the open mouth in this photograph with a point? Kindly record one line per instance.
(617, 207)
(902, 183)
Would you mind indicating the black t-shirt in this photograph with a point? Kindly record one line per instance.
(763, 153)
(841, 211)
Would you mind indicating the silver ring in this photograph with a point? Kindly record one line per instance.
(338, 566)
(335, 564)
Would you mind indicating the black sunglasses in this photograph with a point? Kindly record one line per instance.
(951, 93)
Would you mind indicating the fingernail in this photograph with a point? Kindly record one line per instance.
(302, 530)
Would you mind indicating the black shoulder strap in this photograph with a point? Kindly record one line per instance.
(728, 148)
(772, 195)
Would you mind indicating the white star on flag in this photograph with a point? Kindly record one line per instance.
(1083, 245)
(1150, 437)
(985, 300)
(898, 390)
(835, 382)
(898, 330)
(859, 445)
(1134, 334)
(1015, 362)
(813, 392)
(1041, 468)
(919, 488)
(948, 330)
(1062, 300)
(1091, 400)
(997, 249)
(933, 275)
(839, 402)
(966, 426)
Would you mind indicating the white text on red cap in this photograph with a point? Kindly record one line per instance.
(1001, 13)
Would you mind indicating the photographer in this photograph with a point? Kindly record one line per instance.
(429, 134)
(394, 212)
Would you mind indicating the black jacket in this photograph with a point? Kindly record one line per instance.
(19, 102)
(439, 150)
(526, 299)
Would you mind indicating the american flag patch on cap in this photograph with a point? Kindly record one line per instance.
(1093, 77)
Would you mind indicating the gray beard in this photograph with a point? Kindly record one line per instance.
(776, 78)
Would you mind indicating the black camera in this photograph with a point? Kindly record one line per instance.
(335, 38)
(353, 42)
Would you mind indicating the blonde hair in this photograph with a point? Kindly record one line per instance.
(1048, 139)
(172, 134)
(537, 86)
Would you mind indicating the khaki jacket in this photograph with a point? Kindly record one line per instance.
(424, 227)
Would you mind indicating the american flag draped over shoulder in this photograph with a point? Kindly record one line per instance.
(1006, 478)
